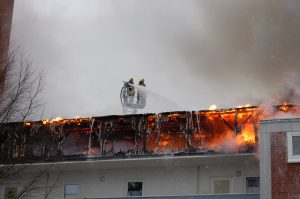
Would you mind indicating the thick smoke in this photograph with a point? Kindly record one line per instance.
(291, 90)
(196, 53)
(255, 43)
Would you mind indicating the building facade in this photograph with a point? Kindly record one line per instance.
(198, 154)
(163, 176)
(183, 154)
(280, 158)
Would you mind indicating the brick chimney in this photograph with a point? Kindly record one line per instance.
(6, 13)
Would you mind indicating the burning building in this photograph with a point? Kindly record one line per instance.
(171, 133)
(190, 153)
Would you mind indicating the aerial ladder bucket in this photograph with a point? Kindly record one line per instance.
(132, 98)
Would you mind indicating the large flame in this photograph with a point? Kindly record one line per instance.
(220, 130)
(248, 134)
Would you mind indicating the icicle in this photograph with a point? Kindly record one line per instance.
(198, 123)
(90, 138)
(157, 126)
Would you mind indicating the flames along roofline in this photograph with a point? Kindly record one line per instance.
(216, 111)
(185, 150)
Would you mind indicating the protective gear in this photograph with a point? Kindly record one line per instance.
(141, 94)
(131, 81)
(130, 89)
(142, 82)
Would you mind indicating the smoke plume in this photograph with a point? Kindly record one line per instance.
(196, 53)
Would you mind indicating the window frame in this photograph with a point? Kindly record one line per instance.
(216, 178)
(246, 177)
(292, 158)
(134, 182)
(9, 186)
(71, 196)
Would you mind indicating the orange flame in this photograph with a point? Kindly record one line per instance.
(212, 107)
(248, 134)
(284, 107)
(27, 123)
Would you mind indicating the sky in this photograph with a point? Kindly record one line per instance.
(191, 53)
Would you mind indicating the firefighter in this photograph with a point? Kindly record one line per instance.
(141, 95)
(129, 86)
(131, 81)
(142, 83)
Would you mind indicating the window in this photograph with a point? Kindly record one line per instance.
(221, 185)
(252, 184)
(135, 188)
(10, 192)
(293, 139)
(71, 190)
(296, 145)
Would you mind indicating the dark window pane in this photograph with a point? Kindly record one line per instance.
(296, 145)
(135, 188)
(252, 184)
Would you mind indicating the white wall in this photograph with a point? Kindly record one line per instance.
(156, 181)
(207, 172)
(186, 177)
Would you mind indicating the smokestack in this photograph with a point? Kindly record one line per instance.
(6, 13)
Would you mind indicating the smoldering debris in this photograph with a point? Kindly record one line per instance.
(218, 131)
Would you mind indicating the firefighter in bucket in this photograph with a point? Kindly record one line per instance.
(133, 96)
